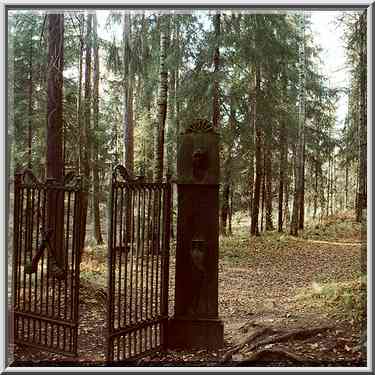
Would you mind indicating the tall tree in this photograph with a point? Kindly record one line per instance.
(361, 202)
(55, 157)
(283, 147)
(216, 61)
(55, 161)
(30, 104)
(298, 185)
(254, 228)
(87, 105)
(268, 175)
(80, 120)
(96, 182)
(162, 97)
(128, 96)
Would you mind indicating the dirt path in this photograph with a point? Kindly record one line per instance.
(275, 275)
(266, 291)
(261, 288)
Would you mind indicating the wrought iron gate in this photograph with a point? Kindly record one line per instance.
(139, 229)
(49, 224)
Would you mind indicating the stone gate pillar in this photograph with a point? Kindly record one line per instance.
(196, 323)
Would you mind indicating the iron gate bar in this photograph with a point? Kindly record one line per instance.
(137, 260)
(45, 306)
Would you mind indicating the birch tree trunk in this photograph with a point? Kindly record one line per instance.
(162, 98)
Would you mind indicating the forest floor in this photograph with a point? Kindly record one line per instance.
(284, 301)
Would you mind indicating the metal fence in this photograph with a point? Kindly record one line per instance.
(138, 266)
(49, 225)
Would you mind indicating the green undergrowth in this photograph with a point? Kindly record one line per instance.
(335, 227)
(339, 300)
(241, 248)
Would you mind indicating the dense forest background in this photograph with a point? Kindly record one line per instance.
(133, 80)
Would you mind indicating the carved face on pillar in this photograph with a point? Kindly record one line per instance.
(199, 164)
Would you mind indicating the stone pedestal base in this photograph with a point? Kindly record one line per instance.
(185, 333)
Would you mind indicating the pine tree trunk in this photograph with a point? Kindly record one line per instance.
(230, 212)
(302, 196)
(224, 208)
(300, 141)
(87, 106)
(268, 179)
(254, 229)
(362, 200)
(333, 197)
(86, 128)
(171, 125)
(96, 195)
(346, 185)
(128, 128)
(296, 203)
(177, 83)
(282, 165)
(150, 145)
(216, 61)
(252, 119)
(315, 209)
(263, 184)
(30, 104)
(55, 157)
(328, 187)
(286, 206)
(79, 95)
(251, 186)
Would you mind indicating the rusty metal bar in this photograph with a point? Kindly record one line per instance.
(165, 261)
(122, 248)
(152, 253)
(67, 260)
(143, 248)
(131, 255)
(125, 191)
(118, 253)
(148, 251)
(111, 270)
(16, 232)
(37, 247)
(137, 296)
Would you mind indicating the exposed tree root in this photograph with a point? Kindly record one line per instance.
(297, 334)
(263, 331)
(267, 355)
